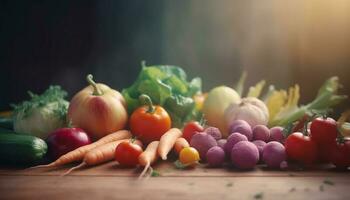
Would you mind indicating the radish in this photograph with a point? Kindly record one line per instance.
(215, 156)
(241, 127)
(261, 132)
(233, 139)
(274, 154)
(202, 142)
(244, 155)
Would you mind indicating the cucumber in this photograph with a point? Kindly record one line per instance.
(6, 122)
(21, 149)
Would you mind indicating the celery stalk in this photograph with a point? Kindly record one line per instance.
(326, 98)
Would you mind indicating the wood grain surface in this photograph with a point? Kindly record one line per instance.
(109, 181)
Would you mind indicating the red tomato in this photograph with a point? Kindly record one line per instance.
(323, 131)
(190, 129)
(340, 155)
(324, 151)
(127, 154)
(301, 148)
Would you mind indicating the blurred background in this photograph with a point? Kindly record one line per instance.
(283, 42)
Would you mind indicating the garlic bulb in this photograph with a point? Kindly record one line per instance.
(250, 109)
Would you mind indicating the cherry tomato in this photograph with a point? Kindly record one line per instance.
(340, 155)
(324, 151)
(188, 155)
(127, 153)
(323, 131)
(301, 148)
(148, 123)
(190, 129)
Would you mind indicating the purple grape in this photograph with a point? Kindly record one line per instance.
(244, 155)
(215, 156)
(260, 145)
(276, 134)
(202, 142)
(221, 143)
(233, 139)
(214, 132)
(274, 154)
(241, 127)
(261, 132)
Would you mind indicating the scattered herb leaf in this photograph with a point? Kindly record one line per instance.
(155, 173)
(229, 184)
(321, 188)
(259, 195)
(328, 182)
(190, 183)
(179, 165)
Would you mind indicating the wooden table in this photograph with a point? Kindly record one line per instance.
(109, 181)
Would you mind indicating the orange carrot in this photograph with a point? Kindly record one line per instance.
(100, 154)
(148, 157)
(180, 143)
(79, 153)
(167, 142)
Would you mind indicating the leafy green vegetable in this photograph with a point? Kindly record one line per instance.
(42, 113)
(52, 94)
(167, 86)
(326, 98)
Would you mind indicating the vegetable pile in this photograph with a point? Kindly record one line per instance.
(162, 112)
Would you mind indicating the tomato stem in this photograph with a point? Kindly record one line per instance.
(97, 91)
(143, 63)
(146, 100)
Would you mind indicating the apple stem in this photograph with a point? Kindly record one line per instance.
(97, 91)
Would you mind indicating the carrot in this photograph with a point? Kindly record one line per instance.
(148, 157)
(100, 154)
(79, 153)
(167, 142)
(180, 143)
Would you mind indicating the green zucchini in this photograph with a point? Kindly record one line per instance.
(21, 149)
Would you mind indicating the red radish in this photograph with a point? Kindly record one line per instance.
(242, 127)
(214, 132)
(276, 134)
(260, 145)
(233, 139)
(244, 155)
(202, 142)
(261, 132)
(64, 140)
(274, 154)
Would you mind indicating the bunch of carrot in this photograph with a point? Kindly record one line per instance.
(171, 139)
(103, 150)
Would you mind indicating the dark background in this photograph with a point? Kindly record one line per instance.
(59, 42)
